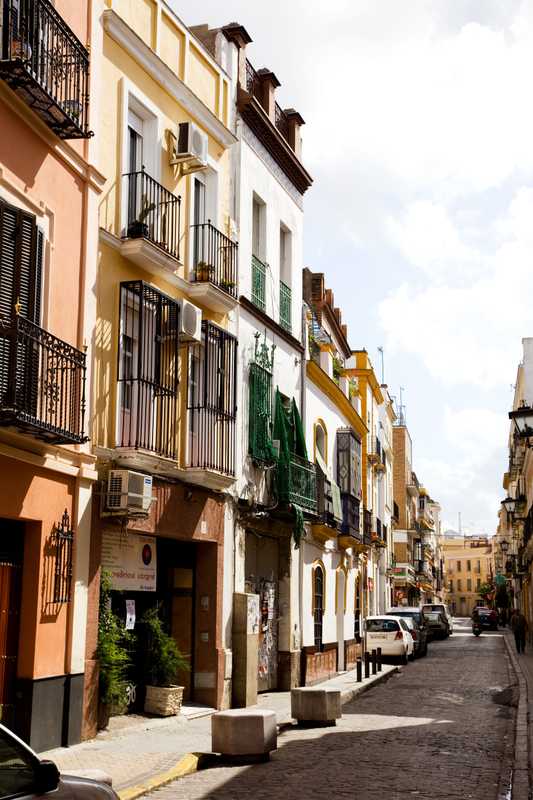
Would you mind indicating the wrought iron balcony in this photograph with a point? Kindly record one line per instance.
(214, 258)
(285, 307)
(258, 283)
(324, 501)
(42, 383)
(351, 516)
(46, 65)
(367, 527)
(282, 121)
(153, 212)
(297, 482)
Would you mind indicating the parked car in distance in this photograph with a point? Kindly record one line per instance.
(391, 634)
(437, 623)
(443, 609)
(23, 774)
(419, 632)
(487, 617)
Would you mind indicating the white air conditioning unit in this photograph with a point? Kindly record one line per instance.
(191, 146)
(190, 322)
(127, 491)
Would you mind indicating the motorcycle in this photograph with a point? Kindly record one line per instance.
(476, 628)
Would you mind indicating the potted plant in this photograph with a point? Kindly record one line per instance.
(227, 285)
(204, 271)
(164, 660)
(138, 229)
(113, 656)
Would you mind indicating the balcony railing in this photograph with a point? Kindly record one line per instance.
(350, 516)
(42, 382)
(46, 65)
(285, 307)
(148, 370)
(367, 527)
(282, 122)
(258, 283)
(297, 482)
(253, 82)
(324, 500)
(153, 212)
(214, 257)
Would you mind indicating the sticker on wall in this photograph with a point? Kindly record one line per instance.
(130, 615)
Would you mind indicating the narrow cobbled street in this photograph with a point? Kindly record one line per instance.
(436, 730)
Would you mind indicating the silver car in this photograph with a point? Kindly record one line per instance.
(24, 775)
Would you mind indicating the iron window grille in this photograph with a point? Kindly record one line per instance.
(285, 307)
(367, 527)
(324, 505)
(318, 606)
(63, 542)
(154, 212)
(42, 378)
(212, 401)
(214, 257)
(259, 283)
(46, 65)
(148, 369)
(260, 445)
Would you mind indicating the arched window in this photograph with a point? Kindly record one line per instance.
(321, 441)
(357, 608)
(319, 587)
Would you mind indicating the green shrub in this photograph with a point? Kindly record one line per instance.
(113, 649)
(163, 659)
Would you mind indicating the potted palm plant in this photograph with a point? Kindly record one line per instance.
(164, 660)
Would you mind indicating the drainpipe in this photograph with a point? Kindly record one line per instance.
(303, 415)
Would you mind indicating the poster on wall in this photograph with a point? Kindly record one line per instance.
(131, 560)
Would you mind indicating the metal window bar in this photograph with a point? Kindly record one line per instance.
(350, 516)
(297, 482)
(384, 533)
(154, 213)
(42, 382)
(324, 505)
(260, 413)
(367, 527)
(46, 64)
(282, 122)
(318, 611)
(63, 541)
(148, 369)
(285, 307)
(215, 257)
(212, 401)
(258, 283)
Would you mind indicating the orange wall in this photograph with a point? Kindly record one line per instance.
(49, 180)
(39, 497)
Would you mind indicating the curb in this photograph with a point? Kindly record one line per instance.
(193, 762)
(520, 769)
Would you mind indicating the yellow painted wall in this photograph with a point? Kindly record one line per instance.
(203, 79)
(140, 15)
(171, 45)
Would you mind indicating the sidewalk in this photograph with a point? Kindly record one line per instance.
(523, 667)
(139, 754)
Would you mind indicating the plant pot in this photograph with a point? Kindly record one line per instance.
(164, 701)
(137, 230)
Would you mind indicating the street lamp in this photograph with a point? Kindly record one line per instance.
(523, 420)
(504, 545)
(510, 504)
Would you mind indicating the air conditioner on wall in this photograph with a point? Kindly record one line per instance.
(190, 322)
(128, 492)
(190, 146)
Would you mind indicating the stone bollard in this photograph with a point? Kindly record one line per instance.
(380, 660)
(316, 707)
(244, 735)
(367, 664)
(374, 663)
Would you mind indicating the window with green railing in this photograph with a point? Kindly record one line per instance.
(285, 306)
(260, 445)
(258, 283)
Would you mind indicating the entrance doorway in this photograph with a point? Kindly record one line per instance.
(11, 555)
(261, 569)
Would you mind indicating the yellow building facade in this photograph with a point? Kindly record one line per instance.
(468, 566)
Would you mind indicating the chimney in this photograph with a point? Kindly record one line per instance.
(269, 84)
(295, 123)
(239, 36)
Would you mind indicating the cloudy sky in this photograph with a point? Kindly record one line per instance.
(419, 137)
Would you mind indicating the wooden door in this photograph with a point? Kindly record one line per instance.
(10, 597)
(182, 623)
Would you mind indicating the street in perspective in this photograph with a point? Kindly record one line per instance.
(266, 400)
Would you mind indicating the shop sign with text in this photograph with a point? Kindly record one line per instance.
(131, 560)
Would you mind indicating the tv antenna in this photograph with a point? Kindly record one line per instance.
(380, 351)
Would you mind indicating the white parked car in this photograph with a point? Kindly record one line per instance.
(391, 634)
(439, 608)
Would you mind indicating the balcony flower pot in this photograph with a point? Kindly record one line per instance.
(137, 230)
(163, 701)
(227, 286)
(20, 49)
(204, 272)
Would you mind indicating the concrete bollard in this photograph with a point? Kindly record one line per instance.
(367, 664)
(359, 667)
(380, 660)
(374, 663)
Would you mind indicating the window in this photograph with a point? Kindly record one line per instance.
(258, 228)
(349, 463)
(478, 566)
(478, 583)
(468, 566)
(320, 441)
(458, 566)
(459, 586)
(469, 584)
(212, 403)
(147, 369)
(382, 625)
(318, 603)
(21, 258)
(285, 253)
(451, 586)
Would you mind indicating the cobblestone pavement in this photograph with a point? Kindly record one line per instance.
(433, 731)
